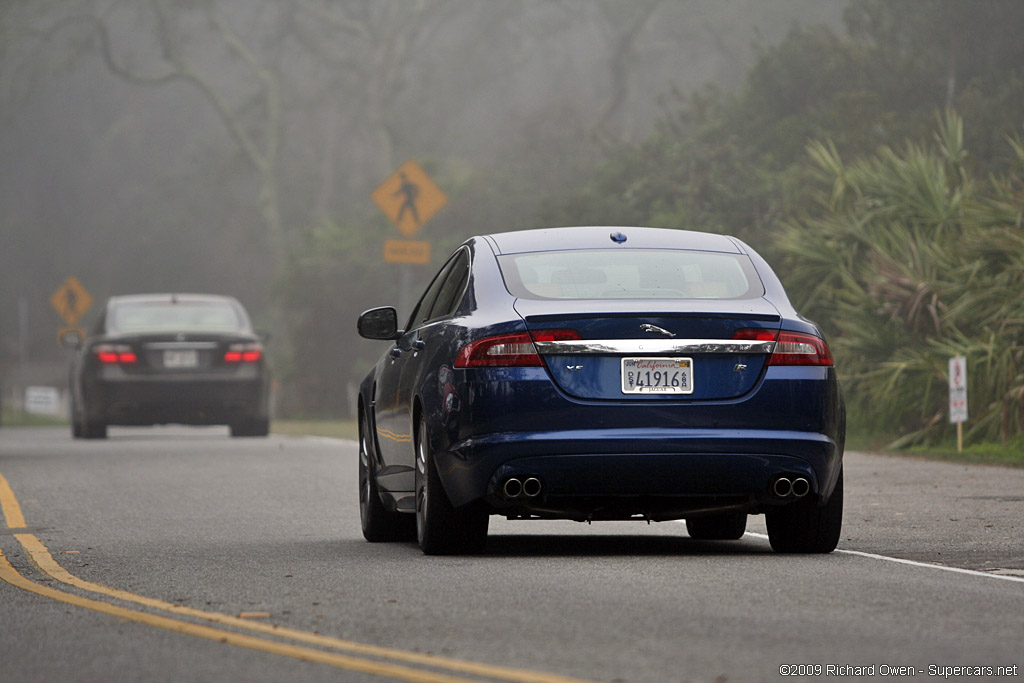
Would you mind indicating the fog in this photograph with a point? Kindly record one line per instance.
(193, 146)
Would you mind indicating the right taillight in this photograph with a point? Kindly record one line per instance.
(243, 353)
(791, 348)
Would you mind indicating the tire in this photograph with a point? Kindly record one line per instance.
(442, 529)
(253, 426)
(76, 424)
(806, 527)
(93, 429)
(725, 527)
(379, 523)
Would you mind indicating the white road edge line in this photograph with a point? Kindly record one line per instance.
(913, 563)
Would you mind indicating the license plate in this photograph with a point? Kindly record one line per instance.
(181, 359)
(657, 375)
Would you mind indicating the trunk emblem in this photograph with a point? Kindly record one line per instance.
(739, 367)
(655, 329)
(573, 368)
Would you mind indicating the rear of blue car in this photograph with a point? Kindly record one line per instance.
(642, 374)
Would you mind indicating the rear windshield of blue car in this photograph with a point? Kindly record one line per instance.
(630, 274)
(158, 316)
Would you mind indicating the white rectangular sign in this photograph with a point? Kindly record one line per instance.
(958, 389)
(42, 400)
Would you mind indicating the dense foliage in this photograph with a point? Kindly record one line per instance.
(904, 242)
(913, 260)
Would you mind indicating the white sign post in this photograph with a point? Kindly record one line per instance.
(958, 397)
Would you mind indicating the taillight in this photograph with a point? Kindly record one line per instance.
(109, 354)
(243, 353)
(791, 348)
(509, 350)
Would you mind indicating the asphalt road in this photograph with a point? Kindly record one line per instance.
(178, 554)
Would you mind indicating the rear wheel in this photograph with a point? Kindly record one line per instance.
(252, 426)
(726, 527)
(379, 523)
(441, 528)
(805, 526)
(76, 424)
(92, 429)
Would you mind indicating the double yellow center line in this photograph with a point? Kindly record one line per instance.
(387, 662)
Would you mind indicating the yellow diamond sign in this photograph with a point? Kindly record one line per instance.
(71, 300)
(409, 198)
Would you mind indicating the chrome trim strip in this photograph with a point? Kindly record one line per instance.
(646, 346)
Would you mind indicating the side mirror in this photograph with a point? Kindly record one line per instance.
(379, 323)
(71, 339)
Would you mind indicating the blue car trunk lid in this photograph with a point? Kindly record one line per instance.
(677, 350)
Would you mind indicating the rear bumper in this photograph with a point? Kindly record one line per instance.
(180, 400)
(659, 473)
(656, 458)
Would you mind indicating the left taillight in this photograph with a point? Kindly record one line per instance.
(111, 354)
(509, 350)
(791, 348)
(243, 353)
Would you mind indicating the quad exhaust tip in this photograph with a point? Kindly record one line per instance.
(513, 488)
(519, 488)
(801, 487)
(784, 487)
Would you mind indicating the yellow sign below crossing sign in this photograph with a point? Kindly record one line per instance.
(71, 300)
(407, 251)
(409, 198)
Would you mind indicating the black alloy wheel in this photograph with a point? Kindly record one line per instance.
(379, 524)
(441, 528)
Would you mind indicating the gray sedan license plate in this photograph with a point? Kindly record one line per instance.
(186, 358)
(657, 375)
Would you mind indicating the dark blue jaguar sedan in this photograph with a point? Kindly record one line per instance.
(601, 373)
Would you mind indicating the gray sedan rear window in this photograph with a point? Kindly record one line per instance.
(204, 316)
(630, 274)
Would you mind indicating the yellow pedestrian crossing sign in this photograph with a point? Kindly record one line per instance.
(409, 198)
(71, 300)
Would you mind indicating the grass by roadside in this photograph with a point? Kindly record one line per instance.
(1009, 454)
(12, 418)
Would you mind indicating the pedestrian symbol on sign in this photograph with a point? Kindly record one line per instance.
(410, 191)
(409, 198)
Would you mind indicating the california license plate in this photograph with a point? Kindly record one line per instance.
(657, 375)
(181, 358)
